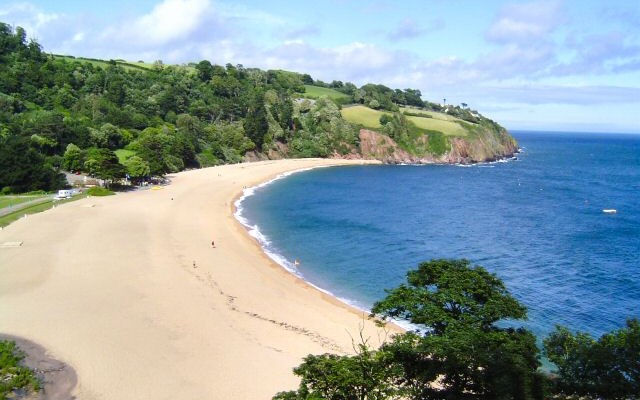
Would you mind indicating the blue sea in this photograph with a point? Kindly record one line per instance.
(537, 222)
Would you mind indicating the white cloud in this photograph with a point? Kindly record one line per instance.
(169, 21)
(526, 21)
(31, 18)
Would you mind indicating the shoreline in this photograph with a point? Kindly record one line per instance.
(247, 227)
(396, 326)
(127, 291)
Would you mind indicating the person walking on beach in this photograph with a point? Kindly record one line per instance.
(213, 244)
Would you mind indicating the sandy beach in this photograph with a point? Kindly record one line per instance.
(128, 291)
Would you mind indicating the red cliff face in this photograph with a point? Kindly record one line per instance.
(376, 146)
(483, 147)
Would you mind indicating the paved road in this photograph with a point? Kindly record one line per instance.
(18, 207)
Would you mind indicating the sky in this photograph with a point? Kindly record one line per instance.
(559, 65)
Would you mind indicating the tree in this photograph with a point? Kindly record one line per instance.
(458, 352)
(163, 150)
(385, 119)
(450, 293)
(605, 368)
(456, 307)
(23, 169)
(307, 79)
(256, 125)
(137, 168)
(364, 376)
(108, 136)
(73, 158)
(103, 164)
(204, 70)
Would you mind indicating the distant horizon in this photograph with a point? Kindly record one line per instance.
(630, 133)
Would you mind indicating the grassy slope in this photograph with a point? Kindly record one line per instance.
(6, 201)
(128, 65)
(430, 114)
(365, 116)
(103, 64)
(9, 218)
(313, 92)
(370, 118)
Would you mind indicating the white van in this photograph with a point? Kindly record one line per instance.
(64, 194)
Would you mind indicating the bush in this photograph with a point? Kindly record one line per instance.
(99, 191)
(12, 374)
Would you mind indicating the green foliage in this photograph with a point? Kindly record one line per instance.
(99, 191)
(137, 168)
(333, 377)
(256, 124)
(124, 154)
(73, 159)
(108, 136)
(285, 81)
(605, 368)
(321, 130)
(411, 138)
(450, 293)
(23, 168)
(457, 307)
(13, 375)
(224, 142)
(438, 143)
(103, 164)
(172, 114)
(204, 70)
(376, 96)
(460, 353)
(163, 149)
(315, 92)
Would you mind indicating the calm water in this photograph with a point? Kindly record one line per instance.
(537, 222)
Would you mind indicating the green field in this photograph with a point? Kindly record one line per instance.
(449, 128)
(431, 114)
(365, 116)
(370, 118)
(313, 92)
(128, 65)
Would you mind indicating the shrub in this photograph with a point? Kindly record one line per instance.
(99, 191)
(12, 374)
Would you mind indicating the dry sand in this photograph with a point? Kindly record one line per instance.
(107, 285)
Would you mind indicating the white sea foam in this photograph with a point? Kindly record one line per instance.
(288, 265)
(261, 238)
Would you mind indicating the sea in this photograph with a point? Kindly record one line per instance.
(537, 221)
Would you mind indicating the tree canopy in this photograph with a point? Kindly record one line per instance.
(458, 351)
(608, 367)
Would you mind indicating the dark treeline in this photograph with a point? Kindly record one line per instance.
(112, 119)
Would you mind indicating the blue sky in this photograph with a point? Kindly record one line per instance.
(566, 65)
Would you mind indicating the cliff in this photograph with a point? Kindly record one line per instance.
(480, 145)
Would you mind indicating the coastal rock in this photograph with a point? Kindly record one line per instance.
(483, 146)
(375, 146)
